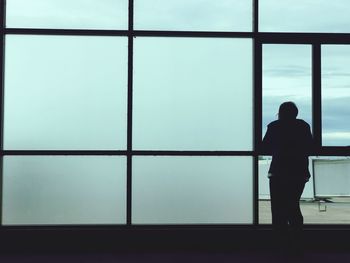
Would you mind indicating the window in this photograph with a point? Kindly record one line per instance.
(287, 76)
(68, 14)
(190, 94)
(335, 95)
(154, 110)
(65, 92)
(304, 16)
(41, 190)
(193, 15)
(192, 190)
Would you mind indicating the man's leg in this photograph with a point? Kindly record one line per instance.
(278, 210)
(295, 216)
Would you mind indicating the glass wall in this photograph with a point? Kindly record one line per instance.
(135, 112)
(92, 111)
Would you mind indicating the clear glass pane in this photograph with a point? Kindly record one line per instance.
(287, 76)
(307, 202)
(326, 197)
(335, 95)
(64, 190)
(192, 94)
(70, 14)
(332, 191)
(192, 190)
(65, 92)
(304, 16)
(205, 15)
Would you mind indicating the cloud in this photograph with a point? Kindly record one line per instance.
(290, 71)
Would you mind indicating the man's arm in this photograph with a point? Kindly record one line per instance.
(266, 145)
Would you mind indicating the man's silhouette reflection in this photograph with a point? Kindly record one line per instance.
(289, 141)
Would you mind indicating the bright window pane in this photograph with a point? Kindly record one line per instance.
(206, 15)
(335, 95)
(83, 14)
(333, 178)
(332, 184)
(304, 16)
(192, 94)
(287, 76)
(192, 190)
(65, 92)
(64, 190)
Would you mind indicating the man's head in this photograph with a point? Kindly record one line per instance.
(287, 111)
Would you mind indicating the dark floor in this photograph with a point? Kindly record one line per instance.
(335, 211)
(183, 257)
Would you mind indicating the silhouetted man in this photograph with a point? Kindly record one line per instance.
(289, 141)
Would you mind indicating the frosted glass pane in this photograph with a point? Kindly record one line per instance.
(192, 190)
(304, 16)
(287, 76)
(206, 15)
(192, 94)
(83, 14)
(64, 190)
(65, 92)
(335, 95)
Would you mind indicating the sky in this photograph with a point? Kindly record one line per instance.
(287, 69)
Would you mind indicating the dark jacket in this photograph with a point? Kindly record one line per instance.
(290, 143)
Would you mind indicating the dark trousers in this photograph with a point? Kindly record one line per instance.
(287, 220)
(285, 196)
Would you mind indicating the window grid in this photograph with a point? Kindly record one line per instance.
(315, 39)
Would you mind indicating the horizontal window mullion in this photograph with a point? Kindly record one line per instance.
(62, 152)
(112, 152)
(83, 32)
(196, 153)
(303, 38)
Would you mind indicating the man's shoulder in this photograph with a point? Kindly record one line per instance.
(297, 122)
(303, 123)
(273, 124)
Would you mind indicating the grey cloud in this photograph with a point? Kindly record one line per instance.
(290, 71)
(331, 74)
(336, 113)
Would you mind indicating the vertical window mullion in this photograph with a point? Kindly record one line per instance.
(2, 64)
(257, 122)
(129, 120)
(316, 95)
(257, 102)
(255, 16)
